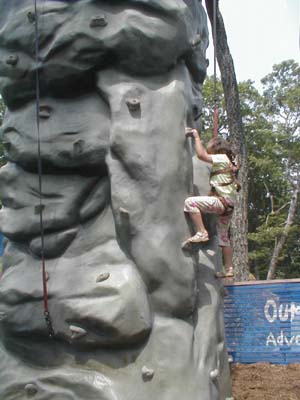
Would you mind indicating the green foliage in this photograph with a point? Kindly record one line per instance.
(272, 130)
(273, 171)
(208, 109)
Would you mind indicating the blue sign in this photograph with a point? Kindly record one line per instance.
(262, 321)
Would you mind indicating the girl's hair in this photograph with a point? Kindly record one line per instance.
(221, 146)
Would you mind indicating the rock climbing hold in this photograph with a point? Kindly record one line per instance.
(196, 41)
(39, 208)
(77, 332)
(103, 277)
(147, 373)
(2, 316)
(12, 60)
(30, 389)
(124, 212)
(98, 21)
(214, 374)
(78, 146)
(133, 103)
(47, 276)
(211, 252)
(31, 17)
(44, 111)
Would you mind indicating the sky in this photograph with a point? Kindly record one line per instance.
(260, 33)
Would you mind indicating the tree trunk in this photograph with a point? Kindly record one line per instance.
(281, 242)
(237, 138)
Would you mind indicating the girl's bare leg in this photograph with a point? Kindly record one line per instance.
(227, 256)
(198, 221)
(201, 233)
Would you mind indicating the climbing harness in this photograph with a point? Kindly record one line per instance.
(228, 208)
(233, 180)
(40, 174)
(233, 177)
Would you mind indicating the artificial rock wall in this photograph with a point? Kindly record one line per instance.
(134, 317)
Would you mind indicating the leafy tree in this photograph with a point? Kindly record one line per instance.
(282, 101)
(274, 172)
(273, 154)
(208, 109)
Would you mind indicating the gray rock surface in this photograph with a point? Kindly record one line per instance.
(134, 317)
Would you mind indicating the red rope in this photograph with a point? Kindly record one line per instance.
(216, 114)
(40, 173)
(45, 290)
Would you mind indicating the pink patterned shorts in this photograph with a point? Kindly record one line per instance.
(212, 205)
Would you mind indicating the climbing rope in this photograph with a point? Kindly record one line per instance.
(40, 174)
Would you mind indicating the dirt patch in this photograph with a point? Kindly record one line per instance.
(265, 381)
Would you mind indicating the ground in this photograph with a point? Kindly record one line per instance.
(264, 381)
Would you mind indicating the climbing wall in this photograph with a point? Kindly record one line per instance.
(134, 317)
